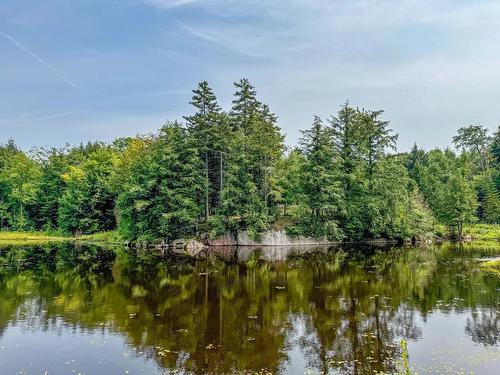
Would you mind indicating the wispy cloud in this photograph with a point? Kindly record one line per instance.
(239, 41)
(56, 115)
(40, 60)
(162, 92)
(170, 3)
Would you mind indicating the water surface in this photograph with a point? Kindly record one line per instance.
(68, 309)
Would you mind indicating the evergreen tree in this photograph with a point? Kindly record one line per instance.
(242, 205)
(290, 182)
(321, 183)
(263, 138)
(87, 204)
(245, 104)
(161, 198)
(229, 171)
(495, 147)
(209, 128)
(488, 197)
(448, 188)
(347, 143)
(414, 162)
(377, 139)
(495, 151)
(54, 165)
(347, 139)
(388, 202)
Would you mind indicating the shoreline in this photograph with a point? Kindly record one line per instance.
(477, 232)
(19, 238)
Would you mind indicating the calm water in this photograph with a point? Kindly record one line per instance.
(70, 310)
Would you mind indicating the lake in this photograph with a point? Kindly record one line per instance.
(74, 309)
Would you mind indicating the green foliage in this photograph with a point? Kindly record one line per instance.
(447, 185)
(475, 139)
(87, 204)
(54, 165)
(161, 198)
(321, 190)
(289, 181)
(228, 171)
(208, 127)
(483, 232)
(19, 186)
(242, 205)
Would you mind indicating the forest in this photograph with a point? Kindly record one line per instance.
(219, 171)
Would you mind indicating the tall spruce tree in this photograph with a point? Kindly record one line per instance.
(377, 139)
(414, 162)
(242, 205)
(161, 198)
(263, 137)
(347, 142)
(88, 201)
(321, 183)
(290, 181)
(245, 104)
(206, 126)
(54, 165)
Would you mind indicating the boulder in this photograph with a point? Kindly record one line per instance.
(227, 239)
(194, 247)
(268, 238)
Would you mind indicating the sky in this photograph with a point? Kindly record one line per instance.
(80, 70)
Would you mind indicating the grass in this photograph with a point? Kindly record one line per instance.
(495, 263)
(31, 237)
(111, 237)
(484, 232)
(44, 237)
(492, 266)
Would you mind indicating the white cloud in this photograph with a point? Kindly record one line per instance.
(40, 60)
(166, 4)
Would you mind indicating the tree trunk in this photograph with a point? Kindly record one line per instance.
(207, 208)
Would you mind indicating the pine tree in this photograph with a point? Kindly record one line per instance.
(377, 138)
(263, 136)
(320, 174)
(87, 204)
(245, 104)
(347, 139)
(242, 205)
(347, 142)
(51, 187)
(290, 182)
(414, 162)
(161, 198)
(209, 127)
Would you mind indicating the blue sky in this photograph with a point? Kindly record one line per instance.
(79, 70)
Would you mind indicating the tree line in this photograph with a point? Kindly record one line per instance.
(223, 171)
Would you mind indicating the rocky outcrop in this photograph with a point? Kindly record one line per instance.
(226, 240)
(194, 247)
(268, 238)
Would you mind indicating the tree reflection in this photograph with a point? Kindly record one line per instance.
(345, 309)
(484, 326)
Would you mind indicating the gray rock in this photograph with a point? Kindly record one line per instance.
(194, 247)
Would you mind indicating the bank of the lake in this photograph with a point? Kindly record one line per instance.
(17, 237)
(475, 232)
